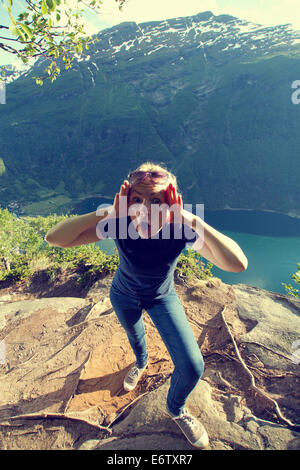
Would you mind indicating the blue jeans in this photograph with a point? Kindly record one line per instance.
(170, 320)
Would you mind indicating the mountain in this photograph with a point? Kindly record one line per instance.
(211, 96)
(14, 71)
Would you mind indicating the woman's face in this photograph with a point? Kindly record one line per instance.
(145, 199)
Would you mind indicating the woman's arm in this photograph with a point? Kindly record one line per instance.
(88, 236)
(221, 250)
(77, 230)
(81, 229)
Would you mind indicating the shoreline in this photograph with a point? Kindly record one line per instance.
(292, 214)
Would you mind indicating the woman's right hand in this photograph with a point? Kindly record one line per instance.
(121, 204)
(119, 208)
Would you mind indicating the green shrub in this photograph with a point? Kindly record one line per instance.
(190, 266)
(290, 289)
(20, 269)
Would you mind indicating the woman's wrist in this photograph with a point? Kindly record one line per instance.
(104, 211)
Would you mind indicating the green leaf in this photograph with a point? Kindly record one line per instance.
(51, 5)
(23, 16)
(26, 29)
(57, 17)
(44, 8)
(14, 30)
(49, 22)
(21, 34)
(17, 32)
(78, 49)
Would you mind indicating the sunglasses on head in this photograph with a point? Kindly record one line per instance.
(155, 176)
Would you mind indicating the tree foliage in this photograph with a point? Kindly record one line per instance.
(49, 28)
(24, 252)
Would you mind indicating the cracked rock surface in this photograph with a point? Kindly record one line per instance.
(66, 358)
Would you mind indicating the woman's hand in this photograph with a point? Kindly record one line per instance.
(119, 208)
(121, 205)
(174, 202)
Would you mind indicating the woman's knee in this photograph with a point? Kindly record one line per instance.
(134, 327)
(136, 334)
(193, 368)
(129, 317)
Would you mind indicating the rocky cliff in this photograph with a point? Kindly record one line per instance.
(64, 357)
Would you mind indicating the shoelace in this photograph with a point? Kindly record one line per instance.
(134, 371)
(187, 419)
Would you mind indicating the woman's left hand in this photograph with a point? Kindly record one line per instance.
(174, 202)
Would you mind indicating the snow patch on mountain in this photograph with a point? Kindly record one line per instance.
(223, 36)
(223, 33)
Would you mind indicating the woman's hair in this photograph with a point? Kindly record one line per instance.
(150, 166)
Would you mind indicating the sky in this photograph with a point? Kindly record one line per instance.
(266, 12)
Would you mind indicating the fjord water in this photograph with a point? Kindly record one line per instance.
(271, 242)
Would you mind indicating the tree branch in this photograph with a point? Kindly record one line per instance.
(7, 48)
(9, 39)
(39, 37)
(32, 6)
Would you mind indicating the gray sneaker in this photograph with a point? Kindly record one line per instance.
(191, 427)
(133, 377)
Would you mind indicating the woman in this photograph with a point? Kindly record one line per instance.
(149, 242)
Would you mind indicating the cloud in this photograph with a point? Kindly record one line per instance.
(268, 12)
(145, 10)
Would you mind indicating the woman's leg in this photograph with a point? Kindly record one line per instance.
(170, 320)
(129, 313)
